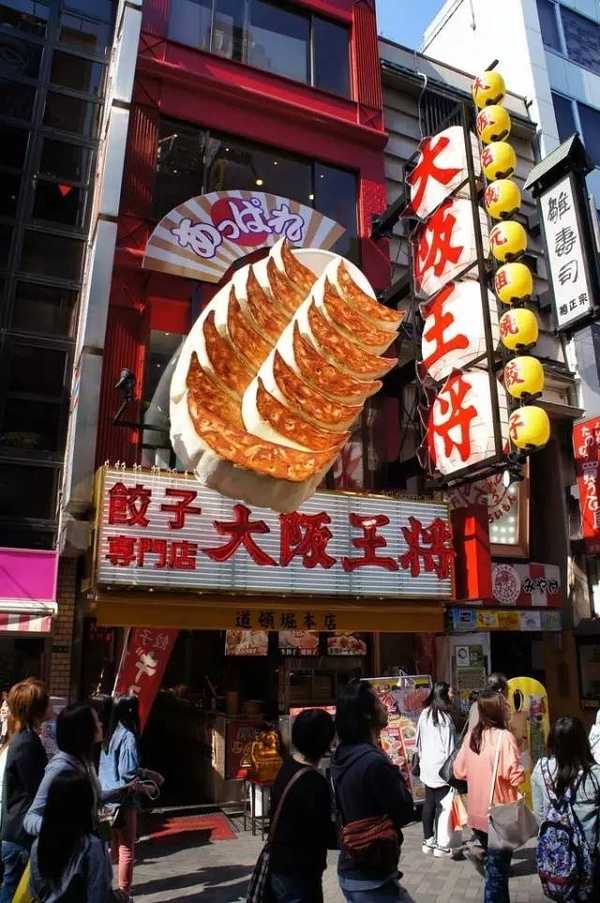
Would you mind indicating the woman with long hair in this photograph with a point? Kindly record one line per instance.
(475, 763)
(569, 768)
(436, 739)
(120, 764)
(69, 862)
(29, 703)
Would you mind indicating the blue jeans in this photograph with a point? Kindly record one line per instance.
(296, 888)
(391, 889)
(14, 860)
(497, 872)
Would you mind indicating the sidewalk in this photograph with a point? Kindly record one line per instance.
(219, 872)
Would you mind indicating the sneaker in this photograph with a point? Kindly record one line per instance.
(476, 856)
(443, 853)
(428, 846)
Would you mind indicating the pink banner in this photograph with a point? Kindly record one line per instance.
(28, 574)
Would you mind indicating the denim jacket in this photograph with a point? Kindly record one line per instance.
(120, 764)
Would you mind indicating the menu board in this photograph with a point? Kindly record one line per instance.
(404, 698)
(345, 644)
(298, 642)
(246, 642)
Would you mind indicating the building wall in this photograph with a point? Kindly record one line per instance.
(59, 676)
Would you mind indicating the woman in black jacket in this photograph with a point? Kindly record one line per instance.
(305, 829)
(28, 702)
(367, 786)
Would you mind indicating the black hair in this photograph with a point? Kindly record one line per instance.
(125, 711)
(498, 682)
(67, 819)
(312, 733)
(356, 712)
(568, 743)
(438, 701)
(103, 706)
(76, 731)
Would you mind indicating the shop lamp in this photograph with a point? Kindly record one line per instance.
(499, 160)
(508, 240)
(518, 328)
(529, 427)
(513, 282)
(488, 88)
(502, 199)
(514, 471)
(524, 377)
(493, 124)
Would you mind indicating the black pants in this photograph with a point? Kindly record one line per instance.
(432, 808)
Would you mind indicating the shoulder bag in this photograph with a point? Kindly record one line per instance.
(415, 762)
(259, 889)
(447, 770)
(511, 824)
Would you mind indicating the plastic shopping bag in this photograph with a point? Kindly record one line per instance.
(458, 816)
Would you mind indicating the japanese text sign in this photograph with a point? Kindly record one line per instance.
(167, 531)
(586, 446)
(143, 664)
(573, 296)
(440, 169)
(528, 585)
(202, 237)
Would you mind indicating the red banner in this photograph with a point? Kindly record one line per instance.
(586, 445)
(143, 664)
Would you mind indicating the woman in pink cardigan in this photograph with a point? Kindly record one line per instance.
(475, 764)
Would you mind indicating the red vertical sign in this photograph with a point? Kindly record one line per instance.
(143, 664)
(586, 445)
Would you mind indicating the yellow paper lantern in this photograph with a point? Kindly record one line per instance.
(508, 240)
(524, 376)
(513, 282)
(499, 160)
(493, 124)
(529, 426)
(488, 88)
(502, 199)
(518, 326)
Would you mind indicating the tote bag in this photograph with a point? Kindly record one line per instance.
(511, 824)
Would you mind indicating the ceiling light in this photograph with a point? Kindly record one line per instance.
(311, 197)
(260, 182)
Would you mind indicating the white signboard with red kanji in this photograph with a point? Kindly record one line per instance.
(454, 332)
(445, 246)
(166, 531)
(573, 295)
(459, 431)
(440, 169)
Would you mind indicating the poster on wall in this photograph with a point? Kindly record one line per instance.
(345, 644)
(298, 642)
(246, 642)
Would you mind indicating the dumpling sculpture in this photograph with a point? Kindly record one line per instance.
(274, 373)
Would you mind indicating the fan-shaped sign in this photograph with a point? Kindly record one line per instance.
(202, 237)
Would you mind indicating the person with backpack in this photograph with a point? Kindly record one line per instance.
(372, 800)
(490, 763)
(565, 787)
(120, 764)
(436, 740)
(69, 862)
(305, 829)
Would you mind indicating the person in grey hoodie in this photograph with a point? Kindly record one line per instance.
(69, 863)
(569, 764)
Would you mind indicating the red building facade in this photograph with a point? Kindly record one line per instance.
(232, 95)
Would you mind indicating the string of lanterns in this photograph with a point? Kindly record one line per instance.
(529, 425)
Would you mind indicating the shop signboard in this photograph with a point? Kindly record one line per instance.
(586, 446)
(441, 169)
(298, 642)
(246, 642)
(345, 644)
(468, 620)
(532, 584)
(203, 236)
(166, 531)
(145, 657)
(240, 733)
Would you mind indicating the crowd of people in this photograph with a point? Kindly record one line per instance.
(366, 805)
(66, 821)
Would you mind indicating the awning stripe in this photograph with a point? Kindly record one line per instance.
(11, 622)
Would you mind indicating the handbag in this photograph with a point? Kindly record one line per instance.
(372, 843)
(415, 762)
(511, 824)
(259, 888)
(446, 772)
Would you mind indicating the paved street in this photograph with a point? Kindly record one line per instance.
(219, 872)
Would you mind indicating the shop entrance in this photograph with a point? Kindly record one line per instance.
(518, 654)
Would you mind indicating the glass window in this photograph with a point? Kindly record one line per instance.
(590, 126)
(94, 37)
(565, 118)
(16, 100)
(582, 37)
(36, 371)
(26, 539)
(19, 58)
(279, 40)
(5, 240)
(162, 347)
(59, 202)
(548, 24)
(71, 114)
(228, 29)
(74, 72)
(67, 161)
(9, 193)
(32, 425)
(190, 21)
(52, 255)
(27, 491)
(239, 164)
(335, 196)
(26, 15)
(44, 308)
(179, 165)
(13, 146)
(331, 59)
(98, 9)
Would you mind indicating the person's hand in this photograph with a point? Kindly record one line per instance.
(154, 776)
(147, 790)
(134, 786)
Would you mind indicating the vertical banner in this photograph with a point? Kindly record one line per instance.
(145, 657)
(586, 446)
